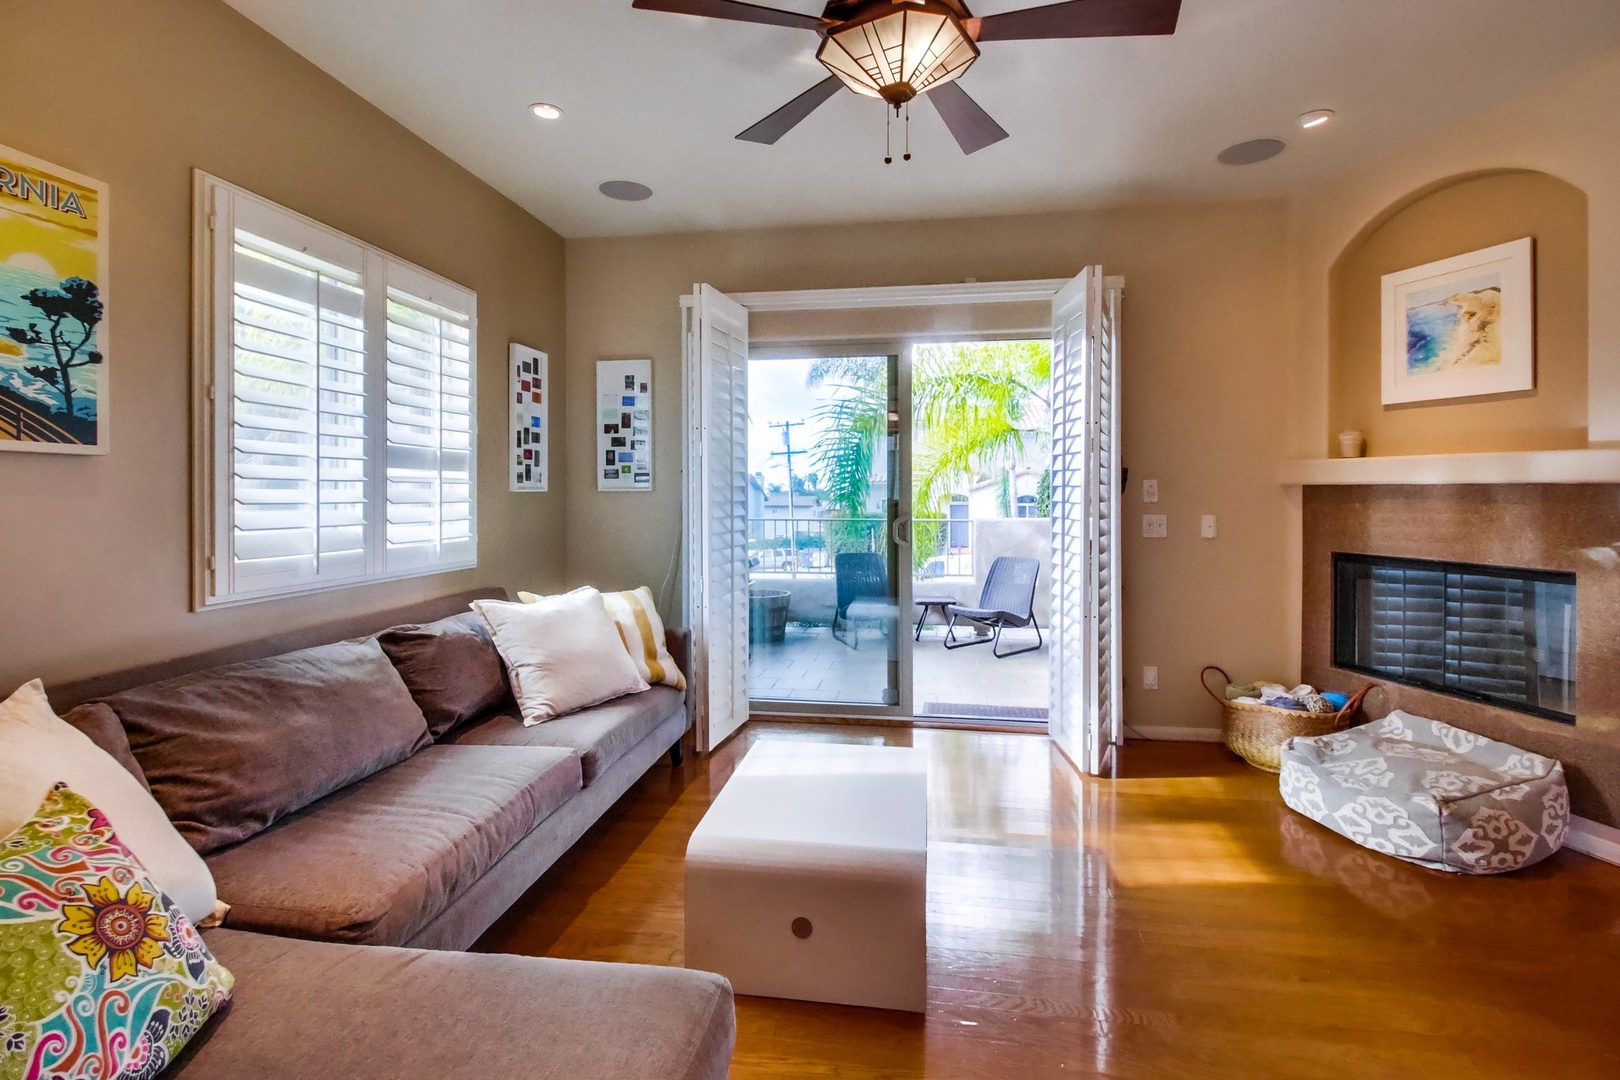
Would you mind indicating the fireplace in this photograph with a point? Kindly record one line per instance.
(1498, 635)
(1524, 661)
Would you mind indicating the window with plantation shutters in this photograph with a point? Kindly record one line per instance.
(336, 404)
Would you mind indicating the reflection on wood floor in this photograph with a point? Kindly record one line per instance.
(1176, 922)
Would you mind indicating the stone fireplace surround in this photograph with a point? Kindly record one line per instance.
(1563, 527)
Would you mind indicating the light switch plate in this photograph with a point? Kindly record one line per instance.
(1155, 526)
(1150, 491)
(1207, 527)
(1150, 678)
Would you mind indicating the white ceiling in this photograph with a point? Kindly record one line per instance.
(658, 98)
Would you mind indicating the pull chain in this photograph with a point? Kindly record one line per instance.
(888, 134)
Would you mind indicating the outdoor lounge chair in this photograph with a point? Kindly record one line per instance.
(862, 582)
(1008, 599)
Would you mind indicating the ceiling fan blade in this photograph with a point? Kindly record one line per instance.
(734, 10)
(1082, 19)
(785, 119)
(972, 126)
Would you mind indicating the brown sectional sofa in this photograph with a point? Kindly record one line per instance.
(379, 791)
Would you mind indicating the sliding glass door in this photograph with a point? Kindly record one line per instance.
(888, 488)
(826, 533)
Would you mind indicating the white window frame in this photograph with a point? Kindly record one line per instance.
(218, 208)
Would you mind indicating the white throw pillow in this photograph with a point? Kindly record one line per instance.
(563, 653)
(642, 632)
(38, 749)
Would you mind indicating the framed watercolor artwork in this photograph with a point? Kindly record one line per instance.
(53, 308)
(530, 393)
(1462, 327)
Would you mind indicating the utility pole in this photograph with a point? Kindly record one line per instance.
(789, 453)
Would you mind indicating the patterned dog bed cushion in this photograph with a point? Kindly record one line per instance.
(1430, 793)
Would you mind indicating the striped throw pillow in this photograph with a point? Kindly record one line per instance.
(643, 634)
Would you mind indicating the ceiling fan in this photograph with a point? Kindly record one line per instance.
(898, 49)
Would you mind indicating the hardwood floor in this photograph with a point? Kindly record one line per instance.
(1176, 922)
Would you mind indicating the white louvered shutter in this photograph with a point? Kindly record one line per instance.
(428, 457)
(1086, 719)
(296, 412)
(716, 357)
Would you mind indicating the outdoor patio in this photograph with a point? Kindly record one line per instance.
(810, 665)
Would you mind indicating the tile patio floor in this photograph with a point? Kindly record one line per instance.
(812, 666)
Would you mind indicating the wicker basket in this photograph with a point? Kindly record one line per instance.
(1256, 733)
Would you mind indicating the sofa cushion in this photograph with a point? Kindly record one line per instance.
(450, 667)
(377, 861)
(601, 734)
(100, 725)
(230, 750)
(406, 1014)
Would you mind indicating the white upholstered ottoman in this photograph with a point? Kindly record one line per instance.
(1430, 793)
(807, 878)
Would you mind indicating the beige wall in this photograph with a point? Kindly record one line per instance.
(1206, 343)
(96, 550)
(1468, 216)
(1551, 130)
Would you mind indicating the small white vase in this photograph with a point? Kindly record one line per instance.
(1352, 444)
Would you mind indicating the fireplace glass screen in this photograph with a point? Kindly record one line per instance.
(1486, 633)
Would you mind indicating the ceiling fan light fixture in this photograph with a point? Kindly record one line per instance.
(897, 51)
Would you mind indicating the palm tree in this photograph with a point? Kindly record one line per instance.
(980, 409)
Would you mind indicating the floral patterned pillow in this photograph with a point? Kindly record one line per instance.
(101, 976)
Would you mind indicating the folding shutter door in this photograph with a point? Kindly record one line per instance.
(717, 510)
(1105, 533)
(1073, 309)
(1085, 719)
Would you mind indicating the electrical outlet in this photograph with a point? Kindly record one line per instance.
(1155, 526)
(1150, 491)
(1207, 528)
(1150, 678)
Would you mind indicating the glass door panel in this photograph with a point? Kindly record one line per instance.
(981, 489)
(824, 612)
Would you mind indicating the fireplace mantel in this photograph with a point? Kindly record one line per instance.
(1519, 467)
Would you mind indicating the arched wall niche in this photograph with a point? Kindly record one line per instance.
(1451, 217)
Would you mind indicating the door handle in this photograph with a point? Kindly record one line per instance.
(902, 531)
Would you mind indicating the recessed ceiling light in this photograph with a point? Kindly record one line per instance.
(1315, 118)
(545, 110)
(1251, 152)
(626, 191)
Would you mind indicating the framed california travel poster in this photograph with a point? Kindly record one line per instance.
(53, 308)
(1461, 327)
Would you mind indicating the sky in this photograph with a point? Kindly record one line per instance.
(777, 392)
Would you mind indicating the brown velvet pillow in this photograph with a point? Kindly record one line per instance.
(451, 668)
(100, 725)
(227, 752)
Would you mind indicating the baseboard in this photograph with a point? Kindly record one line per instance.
(1174, 734)
(1591, 838)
